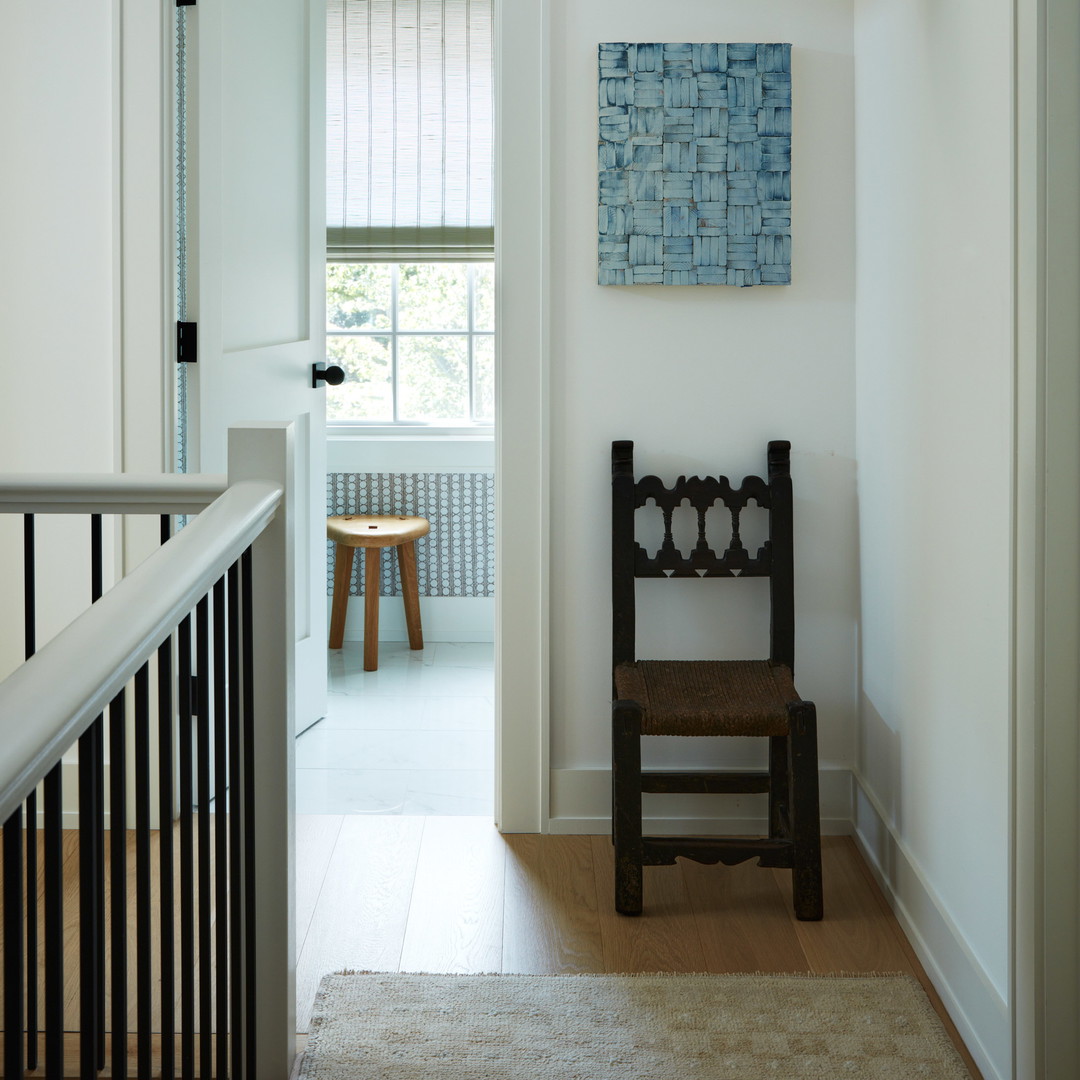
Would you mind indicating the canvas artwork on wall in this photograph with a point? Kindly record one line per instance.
(695, 164)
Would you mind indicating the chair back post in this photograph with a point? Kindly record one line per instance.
(623, 504)
(782, 577)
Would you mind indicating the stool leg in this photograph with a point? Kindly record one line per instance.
(372, 574)
(410, 591)
(343, 557)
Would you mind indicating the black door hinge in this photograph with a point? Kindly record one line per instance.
(193, 699)
(185, 3)
(187, 343)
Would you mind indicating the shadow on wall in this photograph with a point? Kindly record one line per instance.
(878, 774)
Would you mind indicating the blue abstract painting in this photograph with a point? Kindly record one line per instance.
(695, 164)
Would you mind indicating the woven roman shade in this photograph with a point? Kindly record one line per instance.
(409, 114)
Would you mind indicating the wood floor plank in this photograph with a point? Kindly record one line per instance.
(71, 929)
(742, 918)
(401, 892)
(360, 917)
(855, 934)
(456, 915)
(664, 938)
(550, 921)
(316, 835)
(72, 1061)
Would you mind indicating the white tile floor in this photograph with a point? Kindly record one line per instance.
(414, 737)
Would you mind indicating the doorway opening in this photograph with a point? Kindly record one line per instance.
(410, 322)
(410, 433)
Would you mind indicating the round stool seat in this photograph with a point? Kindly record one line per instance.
(375, 530)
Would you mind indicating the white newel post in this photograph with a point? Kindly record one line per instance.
(266, 451)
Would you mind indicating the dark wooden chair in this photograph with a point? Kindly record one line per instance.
(711, 697)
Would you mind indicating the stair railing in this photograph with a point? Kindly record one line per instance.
(155, 924)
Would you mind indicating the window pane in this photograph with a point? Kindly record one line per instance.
(484, 314)
(433, 378)
(484, 372)
(366, 392)
(433, 296)
(358, 296)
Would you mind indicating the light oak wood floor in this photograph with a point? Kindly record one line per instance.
(443, 894)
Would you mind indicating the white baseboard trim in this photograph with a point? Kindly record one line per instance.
(581, 803)
(983, 1020)
(443, 618)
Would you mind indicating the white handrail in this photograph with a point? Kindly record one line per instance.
(108, 493)
(48, 702)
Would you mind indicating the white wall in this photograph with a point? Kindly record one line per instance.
(934, 406)
(59, 302)
(701, 378)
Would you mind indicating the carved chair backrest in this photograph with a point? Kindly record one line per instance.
(774, 559)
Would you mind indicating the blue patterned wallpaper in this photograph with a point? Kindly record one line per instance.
(695, 164)
(457, 558)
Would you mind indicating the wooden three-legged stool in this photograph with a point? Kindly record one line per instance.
(374, 532)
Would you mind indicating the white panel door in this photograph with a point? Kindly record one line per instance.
(257, 263)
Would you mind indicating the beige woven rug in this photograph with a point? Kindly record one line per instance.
(626, 1027)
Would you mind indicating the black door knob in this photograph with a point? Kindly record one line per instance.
(332, 375)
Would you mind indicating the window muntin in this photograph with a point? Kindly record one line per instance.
(416, 341)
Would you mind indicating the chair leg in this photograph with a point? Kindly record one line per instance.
(806, 823)
(372, 573)
(410, 591)
(779, 789)
(626, 804)
(343, 560)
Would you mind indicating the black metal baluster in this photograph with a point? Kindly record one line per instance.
(96, 558)
(166, 788)
(249, 810)
(206, 985)
(29, 645)
(165, 850)
(89, 779)
(29, 586)
(97, 733)
(118, 880)
(221, 871)
(187, 855)
(54, 925)
(13, 951)
(236, 1041)
(31, 932)
(143, 913)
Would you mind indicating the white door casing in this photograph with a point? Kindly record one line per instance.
(521, 409)
(256, 259)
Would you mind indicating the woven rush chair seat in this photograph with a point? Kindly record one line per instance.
(709, 697)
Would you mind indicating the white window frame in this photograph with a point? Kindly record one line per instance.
(481, 429)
